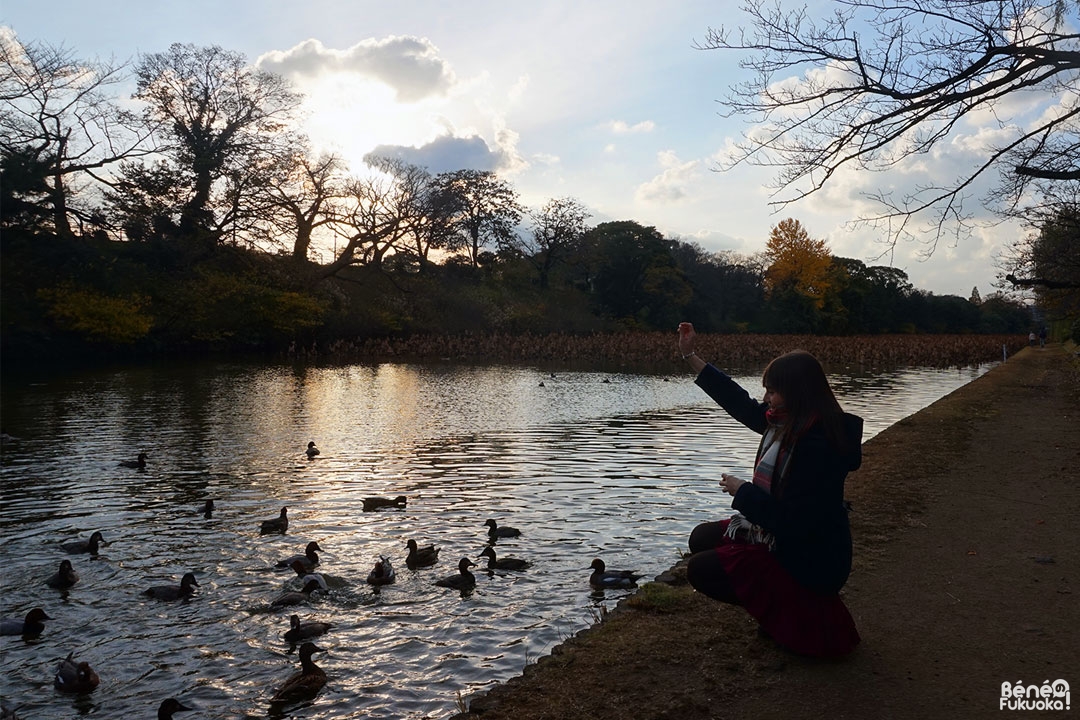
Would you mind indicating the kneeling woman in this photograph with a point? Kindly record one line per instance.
(787, 553)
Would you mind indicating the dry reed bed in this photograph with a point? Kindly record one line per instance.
(657, 350)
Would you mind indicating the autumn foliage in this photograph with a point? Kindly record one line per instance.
(797, 262)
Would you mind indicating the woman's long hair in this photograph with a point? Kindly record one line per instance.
(800, 380)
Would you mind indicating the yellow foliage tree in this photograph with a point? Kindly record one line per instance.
(797, 261)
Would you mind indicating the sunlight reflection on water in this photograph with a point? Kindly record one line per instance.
(621, 469)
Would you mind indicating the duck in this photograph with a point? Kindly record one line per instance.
(506, 563)
(305, 575)
(30, 626)
(138, 463)
(306, 683)
(310, 558)
(174, 592)
(64, 578)
(464, 580)
(421, 556)
(296, 598)
(73, 677)
(602, 578)
(208, 512)
(377, 503)
(85, 546)
(168, 707)
(495, 531)
(302, 631)
(382, 574)
(311, 451)
(278, 525)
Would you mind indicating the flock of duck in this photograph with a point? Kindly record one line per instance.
(78, 677)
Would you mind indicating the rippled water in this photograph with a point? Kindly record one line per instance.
(587, 465)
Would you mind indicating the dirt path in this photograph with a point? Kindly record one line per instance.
(967, 575)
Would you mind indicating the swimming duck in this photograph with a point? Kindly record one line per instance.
(421, 556)
(311, 451)
(464, 580)
(30, 626)
(278, 525)
(302, 631)
(208, 512)
(174, 592)
(168, 707)
(377, 503)
(603, 578)
(72, 677)
(306, 683)
(64, 578)
(382, 574)
(306, 576)
(296, 598)
(495, 531)
(136, 464)
(83, 546)
(506, 563)
(310, 558)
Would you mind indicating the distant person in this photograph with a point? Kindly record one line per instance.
(1042, 336)
(787, 553)
(1031, 338)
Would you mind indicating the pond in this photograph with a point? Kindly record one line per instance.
(586, 464)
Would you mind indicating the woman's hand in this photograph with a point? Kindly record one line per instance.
(687, 338)
(730, 483)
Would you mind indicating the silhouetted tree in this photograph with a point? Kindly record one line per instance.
(481, 208)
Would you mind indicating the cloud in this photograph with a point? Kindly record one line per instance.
(409, 65)
(671, 185)
(620, 127)
(447, 153)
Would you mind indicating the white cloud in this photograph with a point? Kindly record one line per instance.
(619, 127)
(410, 65)
(671, 185)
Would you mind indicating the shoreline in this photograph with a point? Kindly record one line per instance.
(965, 577)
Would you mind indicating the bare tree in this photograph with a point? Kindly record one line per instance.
(878, 81)
(555, 233)
(299, 199)
(483, 210)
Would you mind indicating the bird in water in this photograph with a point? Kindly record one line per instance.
(73, 677)
(383, 572)
(138, 463)
(30, 626)
(310, 558)
(305, 684)
(378, 503)
(303, 631)
(278, 525)
(306, 575)
(421, 556)
(208, 512)
(187, 586)
(85, 546)
(602, 578)
(296, 598)
(311, 451)
(464, 580)
(506, 563)
(168, 707)
(494, 531)
(64, 578)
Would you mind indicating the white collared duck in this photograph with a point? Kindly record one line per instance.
(378, 503)
(305, 684)
(295, 598)
(310, 558)
(494, 531)
(302, 631)
(464, 580)
(506, 563)
(311, 451)
(602, 578)
(187, 586)
(85, 546)
(168, 707)
(306, 576)
(138, 463)
(64, 578)
(421, 556)
(278, 525)
(73, 677)
(383, 572)
(30, 626)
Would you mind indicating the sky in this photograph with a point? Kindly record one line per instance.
(606, 101)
